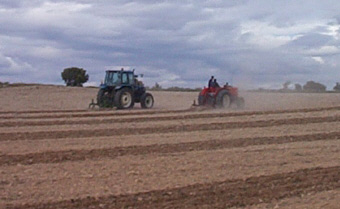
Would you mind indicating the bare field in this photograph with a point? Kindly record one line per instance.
(281, 151)
(43, 99)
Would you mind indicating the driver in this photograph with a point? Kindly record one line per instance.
(211, 82)
(216, 85)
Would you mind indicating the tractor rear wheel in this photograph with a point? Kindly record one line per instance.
(104, 99)
(147, 101)
(223, 99)
(124, 99)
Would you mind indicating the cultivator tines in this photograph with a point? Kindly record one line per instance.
(93, 105)
(194, 104)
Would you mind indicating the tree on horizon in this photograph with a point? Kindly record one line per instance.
(74, 76)
(312, 86)
(337, 87)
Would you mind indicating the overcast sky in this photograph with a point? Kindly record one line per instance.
(250, 44)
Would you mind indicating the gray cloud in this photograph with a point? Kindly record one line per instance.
(249, 43)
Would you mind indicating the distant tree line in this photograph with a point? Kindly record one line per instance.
(337, 87)
(158, 87)
(74, 76)
(310, 86)
(4, 84)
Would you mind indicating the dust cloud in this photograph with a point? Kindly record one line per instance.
(61, 98)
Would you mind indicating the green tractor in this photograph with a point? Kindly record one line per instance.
(121, 89)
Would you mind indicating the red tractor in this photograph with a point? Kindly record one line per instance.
(220, 97)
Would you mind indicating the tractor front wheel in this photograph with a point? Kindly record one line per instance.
(147, 101)
(124, 99)
(104, 99)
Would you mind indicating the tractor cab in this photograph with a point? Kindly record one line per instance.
(118, 78)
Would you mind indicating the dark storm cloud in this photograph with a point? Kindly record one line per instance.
(257, 43)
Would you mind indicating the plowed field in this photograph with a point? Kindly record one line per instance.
(281, 151)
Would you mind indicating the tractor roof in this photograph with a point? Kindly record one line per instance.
(112, 71)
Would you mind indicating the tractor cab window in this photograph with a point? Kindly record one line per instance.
(115, 78)
(112, 78)
(109, 78)
(131, 79)
(125, 79)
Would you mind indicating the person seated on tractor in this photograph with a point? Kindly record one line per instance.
(226, 84)
(215, 84)
(211, 82)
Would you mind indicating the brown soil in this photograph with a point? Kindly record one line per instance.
(224, 194)
(280, 151)
(79, 155)
(161, 129)
(108, 119)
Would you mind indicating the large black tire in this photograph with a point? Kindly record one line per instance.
(201, 100)
(207, 100)
(147, 101)
(104, 99)
(124, 99)
(223, 99)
